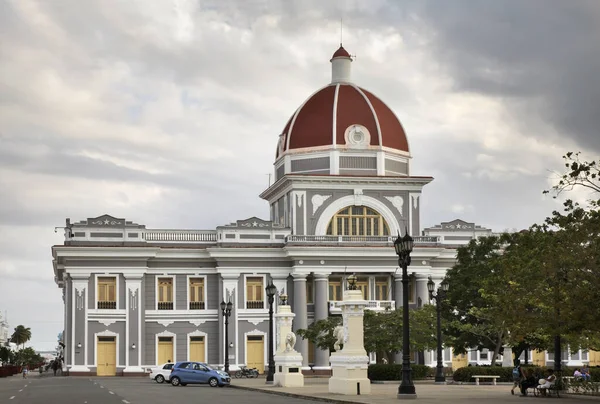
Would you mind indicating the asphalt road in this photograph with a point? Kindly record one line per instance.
(123, 390)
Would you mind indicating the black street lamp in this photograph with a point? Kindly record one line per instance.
(271, 290)
(438, 297)
(404, 246)
(226, 312)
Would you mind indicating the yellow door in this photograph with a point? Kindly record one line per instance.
(107, 356)
(165, 350)
(197, 349)
(255, 353)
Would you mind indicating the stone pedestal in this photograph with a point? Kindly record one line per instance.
(507, 357)
(288, 362)
(350, 364)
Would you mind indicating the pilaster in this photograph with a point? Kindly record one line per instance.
(230, 293)
(133, 325)
(79, 325)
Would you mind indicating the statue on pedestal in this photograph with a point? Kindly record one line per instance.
(288, 362)
(350, 363)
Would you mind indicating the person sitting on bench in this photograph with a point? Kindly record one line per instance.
(548, 382)
(528, 381)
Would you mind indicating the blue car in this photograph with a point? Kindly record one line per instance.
(184, 373)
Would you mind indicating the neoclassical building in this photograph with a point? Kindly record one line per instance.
(136, 297)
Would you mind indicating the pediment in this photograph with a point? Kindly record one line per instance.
(458, 225)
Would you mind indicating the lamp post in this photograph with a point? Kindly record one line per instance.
(438, 297)
(271, 290)
(226, 312)
(404, 246)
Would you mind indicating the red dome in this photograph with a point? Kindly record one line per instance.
(341, 52)
(325, 117)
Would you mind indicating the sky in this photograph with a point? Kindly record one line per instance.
(167, 113)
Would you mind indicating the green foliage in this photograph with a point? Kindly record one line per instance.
(321, 332)
(6, 355)
(382, 331)
(28, 356)
(474, 319)
(580, 174)
(21, 335)
(394, 372)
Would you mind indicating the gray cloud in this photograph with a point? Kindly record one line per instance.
(539, 56)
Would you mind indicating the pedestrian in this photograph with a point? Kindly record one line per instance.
(55, 366)
(25, 370)
(528, 381)
(516, 376)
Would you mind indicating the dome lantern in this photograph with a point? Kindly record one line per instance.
(340, 66)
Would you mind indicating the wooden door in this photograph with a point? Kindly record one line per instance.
(197, 349)
(107, 356)
(165, 350)
(255, 353)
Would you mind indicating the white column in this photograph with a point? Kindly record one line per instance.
(133, 310)
(301, 314)
(321, 313)
(230, 293)
(79, 320)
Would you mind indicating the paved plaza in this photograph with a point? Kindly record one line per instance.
(123, 390)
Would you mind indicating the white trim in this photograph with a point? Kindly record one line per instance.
(198, 333)
(368, 201)
(188, 293)
(264, 285)
(334, 128)
(265, 349)
(165, 334)
(106, 333)
(107, 274)
(174, 281)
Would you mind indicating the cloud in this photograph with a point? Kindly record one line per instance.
(168, 113)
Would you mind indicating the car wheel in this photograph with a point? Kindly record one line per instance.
(160, 379)
(213, 382)
(238, 374)
(175, 381)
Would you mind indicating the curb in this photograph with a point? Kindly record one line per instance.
(294, 395)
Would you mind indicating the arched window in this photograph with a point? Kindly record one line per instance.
(358, 221)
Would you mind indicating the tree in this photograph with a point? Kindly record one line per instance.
(21, 335)
(6, 355)
(28, 357)
(382, 331)
(581, 174)
(470, 310)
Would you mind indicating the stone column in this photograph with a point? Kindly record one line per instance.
(280, 282)
(422, 291)
(321, 313)
(507, 357)
(301, 315)
(398, 303)
(133, 325)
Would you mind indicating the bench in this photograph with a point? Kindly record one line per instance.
(477, 377)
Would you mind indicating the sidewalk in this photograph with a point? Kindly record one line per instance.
(318, 390)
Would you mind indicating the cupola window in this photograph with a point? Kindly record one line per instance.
(358, 221)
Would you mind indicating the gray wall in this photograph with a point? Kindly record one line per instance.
(182, 329)
(96, 327)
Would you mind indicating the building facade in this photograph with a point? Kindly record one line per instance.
(136, 297)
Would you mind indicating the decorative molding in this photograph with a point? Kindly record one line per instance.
(165, 323)
(107, 322)
(106, 222)
(358, 197)
(197, 323)
(357, 136)
(317, 200)
(299, 198)
(254, 224)
(255, 321)
(397, 202)
(415, 198)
